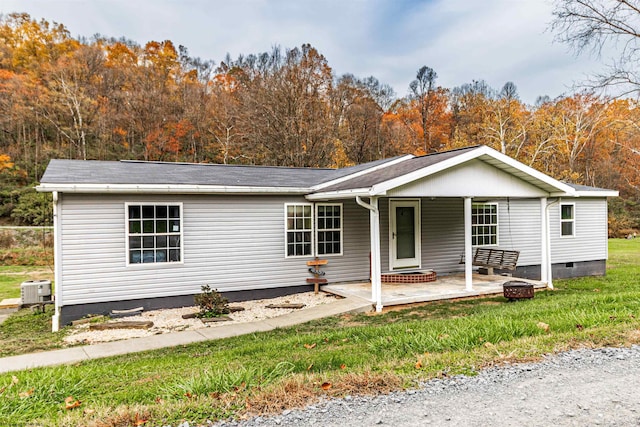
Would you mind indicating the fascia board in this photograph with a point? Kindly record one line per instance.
(161, 188)
(597, 193)
(360, 173)
(342, 194)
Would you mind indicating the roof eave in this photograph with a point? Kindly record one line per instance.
(597, 193)
(166, 189)
(341, 194)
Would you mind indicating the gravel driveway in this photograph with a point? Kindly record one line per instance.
(577, 388)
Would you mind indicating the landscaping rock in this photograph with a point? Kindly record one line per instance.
(121, 325)
(215, 319)
(288, 306)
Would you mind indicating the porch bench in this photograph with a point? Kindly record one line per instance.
(490, 258)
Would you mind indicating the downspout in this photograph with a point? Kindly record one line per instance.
(57, 264)
(548, 248)
(374, 225)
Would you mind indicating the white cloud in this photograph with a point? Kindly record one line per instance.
(494, 40)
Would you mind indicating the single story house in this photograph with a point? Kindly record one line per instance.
(134, 233)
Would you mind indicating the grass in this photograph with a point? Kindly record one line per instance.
(270, 371)
(29, 331)
(12, 276)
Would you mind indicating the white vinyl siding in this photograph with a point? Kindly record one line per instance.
(235, 243)
(519, 229)
(590, 232)
(232, 243)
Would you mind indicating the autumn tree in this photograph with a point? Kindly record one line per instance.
(469, 104)
(423, 90)
(505, 121)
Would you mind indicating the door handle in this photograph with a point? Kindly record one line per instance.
(393, 235)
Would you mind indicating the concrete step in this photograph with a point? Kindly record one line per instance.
(10, 303)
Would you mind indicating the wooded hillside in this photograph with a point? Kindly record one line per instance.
(111, 99)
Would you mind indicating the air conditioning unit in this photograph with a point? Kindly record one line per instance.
(35, 291)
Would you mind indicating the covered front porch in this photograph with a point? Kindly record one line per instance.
(443, 288)
(430, 213)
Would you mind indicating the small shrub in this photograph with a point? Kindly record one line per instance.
(211, 303)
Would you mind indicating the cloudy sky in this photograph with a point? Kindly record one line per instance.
(463, 40)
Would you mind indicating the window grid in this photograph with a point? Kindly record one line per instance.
(299, 230)
(484, 224)
(153, 233)
(567, 220)
(329, 229)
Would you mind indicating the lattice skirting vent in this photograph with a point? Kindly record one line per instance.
(420, 277)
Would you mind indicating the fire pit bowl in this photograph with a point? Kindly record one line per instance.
(515, 290)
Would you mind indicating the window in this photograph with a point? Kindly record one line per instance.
(484, 224)
(154, 233)
(299, 230)
(329, 229)
(309, 235)
(567, 219)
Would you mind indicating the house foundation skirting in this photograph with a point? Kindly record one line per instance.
(69, 313)
(418, 277)
(563, 270)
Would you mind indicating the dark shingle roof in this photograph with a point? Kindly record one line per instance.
(580, 187)
(141, 173)
(396, 170)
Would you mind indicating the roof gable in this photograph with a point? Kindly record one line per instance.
(401, 174)
(474, 178)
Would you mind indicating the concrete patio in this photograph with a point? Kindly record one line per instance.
(444, 288)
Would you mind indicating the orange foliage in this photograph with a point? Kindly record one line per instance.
(5, 162)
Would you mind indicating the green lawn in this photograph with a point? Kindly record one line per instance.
(12, 276)
(334, 356)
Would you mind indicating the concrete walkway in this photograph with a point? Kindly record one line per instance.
(114, 348)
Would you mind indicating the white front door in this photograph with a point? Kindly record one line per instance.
(404, 236)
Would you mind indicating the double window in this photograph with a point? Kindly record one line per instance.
(484, 224)
(310, 233)
(154, 233)
(567, 219)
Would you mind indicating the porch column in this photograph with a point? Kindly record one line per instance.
(544, 237)
(376, 269)
(468, 262)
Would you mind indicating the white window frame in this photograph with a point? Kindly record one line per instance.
(318, 230)
(572, 220)
(286, 230)
(127, 234)
(497, 224)
(314, 229)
